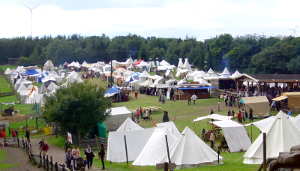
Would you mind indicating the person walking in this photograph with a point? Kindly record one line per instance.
(194, 98)
(89, 156)
(101, 155)
(69, 158)
(45, 149)
(27, 135)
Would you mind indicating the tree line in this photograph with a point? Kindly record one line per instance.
(250, 53)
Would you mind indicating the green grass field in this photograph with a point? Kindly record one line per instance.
(3, 67)
(182, 114)
(4, 85)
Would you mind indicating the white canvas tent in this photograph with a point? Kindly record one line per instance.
(259, 104)
(191, 151)
(225, 73)
(281, 135)
(170, 126)
(155, 149)
(180, 63)
(236, 74)
(235, 135)
(214, 117)
(129, 125)
(135, 141)
(116, 117)
(48, 66)
(263, 124)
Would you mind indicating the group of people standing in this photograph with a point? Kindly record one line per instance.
(242, 115)
(75, 161)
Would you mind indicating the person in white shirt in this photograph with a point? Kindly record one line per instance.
(194, 98)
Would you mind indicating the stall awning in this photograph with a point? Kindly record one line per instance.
(280, 98)
(196, 88)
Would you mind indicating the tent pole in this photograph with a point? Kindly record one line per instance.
(168, 152)
(126, 151)
(264, 152)
(251, 132)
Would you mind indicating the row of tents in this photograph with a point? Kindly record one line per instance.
(164, 143)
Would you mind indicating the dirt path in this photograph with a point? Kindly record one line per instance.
(57, 153)
(18, 159)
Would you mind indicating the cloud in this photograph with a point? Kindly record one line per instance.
(172, 18)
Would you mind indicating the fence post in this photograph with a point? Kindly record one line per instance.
(18, 141)
(56, 166)
(264, 151)
(44, 161)
(51, 163)
(41, 160)
(47, 163)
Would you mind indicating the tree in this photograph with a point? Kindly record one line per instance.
(77, 108)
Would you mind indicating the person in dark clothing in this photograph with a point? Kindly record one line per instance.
(68, 158)
(232, 113)
(166, 117)
(251, 114)
(229, 113)
(89, 156)
(101, 155)
(27, 135)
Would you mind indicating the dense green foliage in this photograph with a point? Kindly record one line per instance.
(253, 54)
(77, 108)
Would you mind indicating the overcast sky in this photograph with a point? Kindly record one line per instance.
(200, 19)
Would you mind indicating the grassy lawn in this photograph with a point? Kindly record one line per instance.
(182, 114)
(56, 141)
(3, 67)
(4, 85)
(4, 165)
(8, 99)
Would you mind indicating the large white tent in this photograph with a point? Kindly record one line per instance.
(155, 149)
(281, 135)
(235, 135)
(191, 151)
(135, 141)
(214, 117)
(170, 126)
(129, 125)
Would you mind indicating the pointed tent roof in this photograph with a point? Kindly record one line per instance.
(211, 71)
(282, 131)
(170, 126)
(164, 63)
(129, 60)
(180, 63)
(186, 64)
(155, 149)
(74, 77)
(128, 125)
(48, 65)
(191, 151)
(236, 74)
(225, 72)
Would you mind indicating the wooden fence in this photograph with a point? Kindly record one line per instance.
(42, 161)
